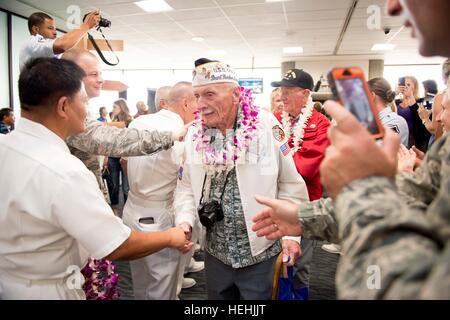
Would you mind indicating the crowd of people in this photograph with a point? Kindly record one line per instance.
(251, 186)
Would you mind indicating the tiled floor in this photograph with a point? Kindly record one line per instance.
(322, 285)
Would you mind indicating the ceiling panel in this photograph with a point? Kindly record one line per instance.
(196, 14)
(243, 28)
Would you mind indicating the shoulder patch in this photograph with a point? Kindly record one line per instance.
(278, 133)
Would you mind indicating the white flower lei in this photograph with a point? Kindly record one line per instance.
(299, 128)
(216, 161)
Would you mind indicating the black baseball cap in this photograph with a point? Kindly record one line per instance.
(295, 78)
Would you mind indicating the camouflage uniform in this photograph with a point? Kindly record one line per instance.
(99, 139)
(402, 228)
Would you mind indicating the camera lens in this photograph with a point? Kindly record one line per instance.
(209, 213)
(208, 219)
(104, 23)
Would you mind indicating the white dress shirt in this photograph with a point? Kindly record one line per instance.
(154, 177)
(52, 215)
(37, 47)
(395, 122)
(149, 208)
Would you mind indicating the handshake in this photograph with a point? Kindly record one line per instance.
(180, 237)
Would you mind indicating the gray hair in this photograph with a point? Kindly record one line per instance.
(161, 94)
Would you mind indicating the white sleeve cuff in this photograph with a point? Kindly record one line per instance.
(296, 239)
(184, 217)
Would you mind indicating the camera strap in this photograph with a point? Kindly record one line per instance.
(91, 38)
(223, 189)
(228, 173)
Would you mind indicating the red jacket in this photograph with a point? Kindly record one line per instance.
(308, 158)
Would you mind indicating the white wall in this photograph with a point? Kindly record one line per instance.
(4, 73)
(391, 73)
(318, 68)
(421, 72)
(141, 80)
(20, 34)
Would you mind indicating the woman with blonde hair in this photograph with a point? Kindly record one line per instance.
(408, 108)
(432, 124)
(276, 104)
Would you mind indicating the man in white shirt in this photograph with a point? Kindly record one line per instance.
(162, 98)
(149, 207)
(54, 216)
(43, 42)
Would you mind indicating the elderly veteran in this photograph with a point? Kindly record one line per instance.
(234, 151)
(306, 129)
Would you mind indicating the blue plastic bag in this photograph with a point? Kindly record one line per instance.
(286, 288)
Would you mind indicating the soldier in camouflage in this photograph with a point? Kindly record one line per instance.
(400, 227)
(398, 224)
(100, 139)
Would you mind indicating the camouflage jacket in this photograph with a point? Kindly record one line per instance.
(399, 230)
(100, 139)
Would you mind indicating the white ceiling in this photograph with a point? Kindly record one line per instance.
(252, 32)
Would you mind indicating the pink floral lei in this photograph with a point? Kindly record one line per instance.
(224, 160)
(101, 280)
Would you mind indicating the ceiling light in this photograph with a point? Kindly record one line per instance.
(217, 53)
(198, 39)
(154, 6)
(293, 50)
(383, 47)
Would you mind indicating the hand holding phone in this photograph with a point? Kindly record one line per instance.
(350, 88)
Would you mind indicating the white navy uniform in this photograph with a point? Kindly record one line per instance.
(152, 180)
(52, 216)
(37, 47)
(395, 122)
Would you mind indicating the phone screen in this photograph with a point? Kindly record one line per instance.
(354, 98)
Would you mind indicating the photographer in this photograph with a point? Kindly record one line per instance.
(408, 107)
(43, 42)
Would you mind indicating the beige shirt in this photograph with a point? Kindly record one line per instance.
(154, 177)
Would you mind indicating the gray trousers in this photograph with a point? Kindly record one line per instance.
(302, 266)
(224, 282)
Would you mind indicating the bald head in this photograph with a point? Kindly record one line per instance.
(162, 97)
(179, 91)
(90, 64)
(182, 100)
(75, 54)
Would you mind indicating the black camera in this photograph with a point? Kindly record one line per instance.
(103, 23)
(210, 213)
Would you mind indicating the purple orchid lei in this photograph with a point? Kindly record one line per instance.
(101, 280)
(224, 160)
